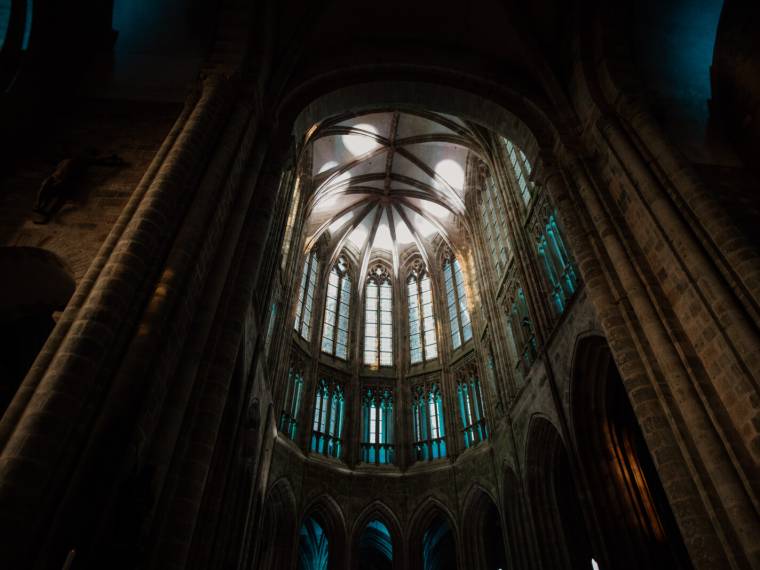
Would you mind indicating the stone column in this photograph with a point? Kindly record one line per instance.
(673, 427)
(47, 430)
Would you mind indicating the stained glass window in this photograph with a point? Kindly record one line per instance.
(456, 300)
(378, 319)
(494, 220)
(377, 426)
(329, 411)
(306, 296)
(423, 345)
(521, 168)
(337, 305)
(292, 403)
(427, 423)
(521, 332)
(558, 268)
(471, 410)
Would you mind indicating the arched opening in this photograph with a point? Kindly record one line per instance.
(313, 546)
(35, 286)
(560, 524)
(375, 549)
(483, 533)
(636, 523)
(322, 537)
(277, 530)
(433, 539)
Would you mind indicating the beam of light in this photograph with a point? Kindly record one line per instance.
(358, 144)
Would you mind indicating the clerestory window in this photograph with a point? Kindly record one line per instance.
(378, 319)
(306, 296)
(471, 410)
(329, 410)
(494, 221)
(423, 345)
(337, 308)
(521, 168)
(456, 299)
(558, 269)
(292, 403)
(427, 423)
(377, 426)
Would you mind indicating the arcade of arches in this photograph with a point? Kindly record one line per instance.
(426, 286)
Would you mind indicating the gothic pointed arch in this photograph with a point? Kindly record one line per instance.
(275, 549)
(482, 535)
(433, 537)
(637, 526)
(378, 512)
(554, 500)
(325, 511)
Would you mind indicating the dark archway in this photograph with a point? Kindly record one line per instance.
(377, 540)
(636, 524)
(277, 531)
(562, 534)
(433, 539)
(322, 536)
(35, 285)
(482, 532)
(375, 548)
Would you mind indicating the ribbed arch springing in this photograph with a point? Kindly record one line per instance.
(335, 324)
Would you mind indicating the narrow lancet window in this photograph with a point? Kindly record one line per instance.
(521, 330)
(291, 403)
(329, 410)
(423, 345)
(427, 423)
(378, 319)
(558, 268)
(521, 168)
(494, 220)
(306, 296)
(377, 426)
(337, 306)
(471, 410)
(456, 299)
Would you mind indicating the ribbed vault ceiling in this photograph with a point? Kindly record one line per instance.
(388, 183)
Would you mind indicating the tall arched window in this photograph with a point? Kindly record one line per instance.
(521, 330)
(521, 168)
(559, 270)
(427, 423)
(422, 342)
(292, 403)
(471, 408)
(377, 426)
(378, 319)
(456, 299)
(329, 410)
(306, 296)
(335, 325)
(494, 220)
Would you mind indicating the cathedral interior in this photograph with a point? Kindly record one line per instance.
(417, 284)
